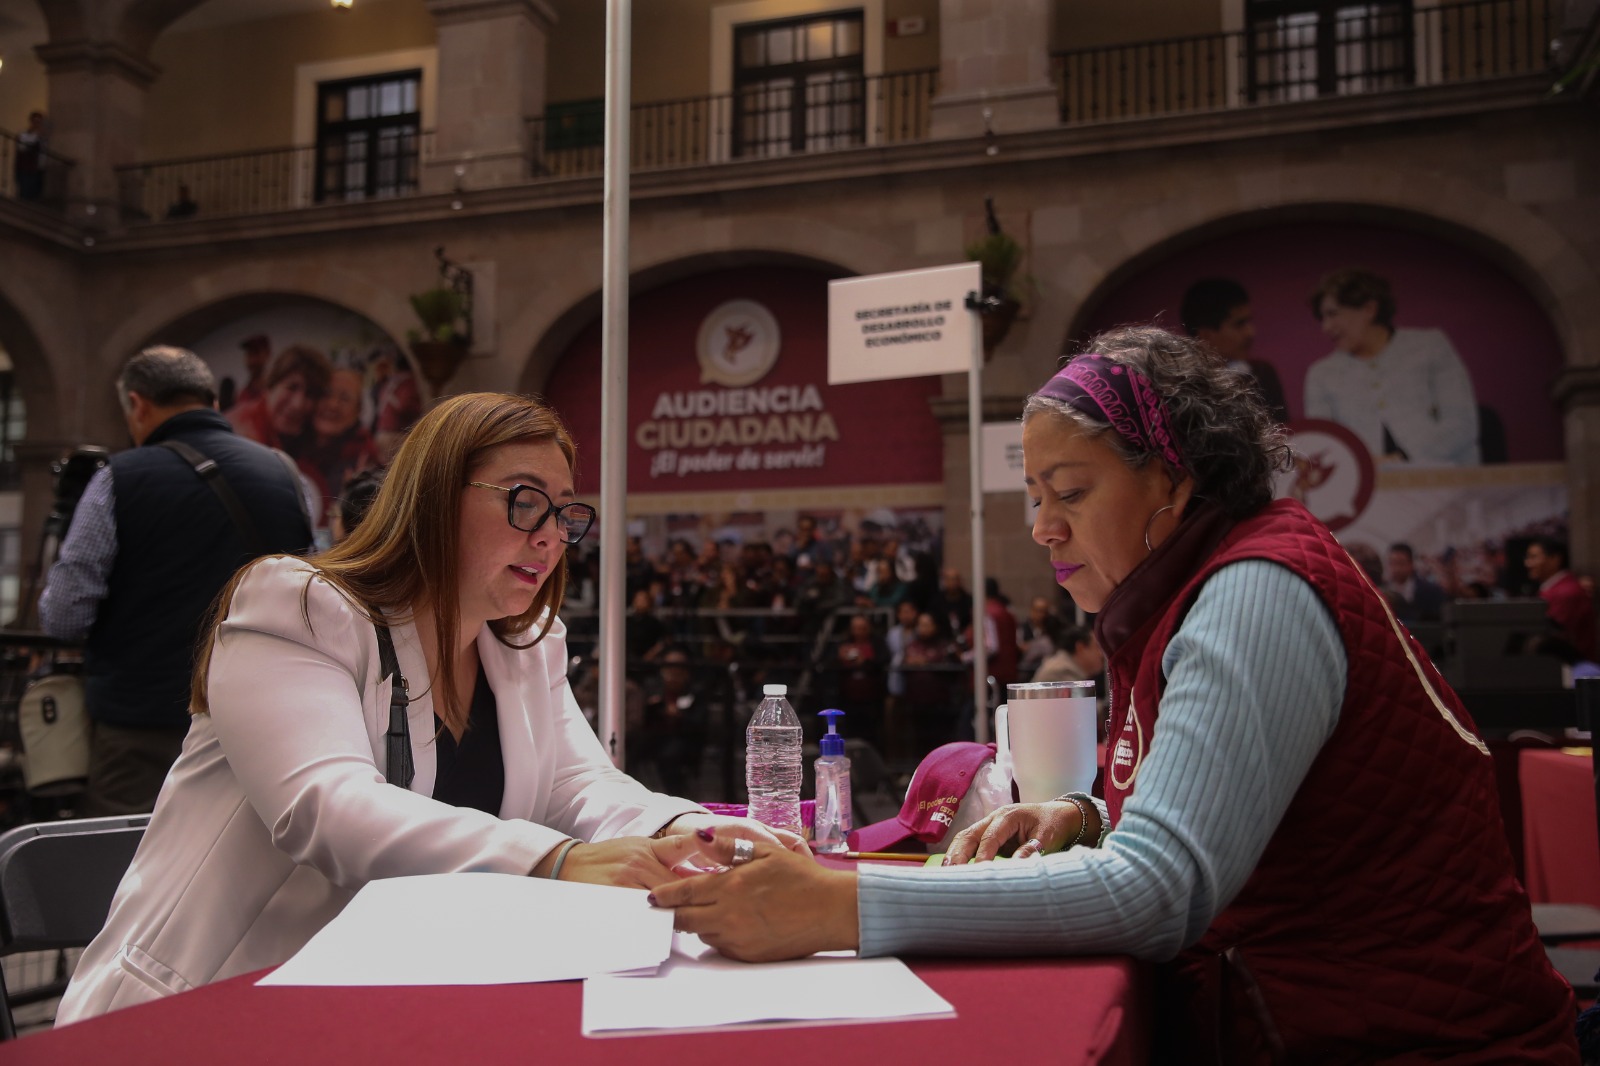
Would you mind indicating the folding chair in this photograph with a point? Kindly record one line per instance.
(1561, 923)
(56, 884)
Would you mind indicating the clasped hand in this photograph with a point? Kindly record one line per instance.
(781, 904)
(681, 851)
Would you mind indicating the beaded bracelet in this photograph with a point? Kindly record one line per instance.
(561, 858)
(1084, 805)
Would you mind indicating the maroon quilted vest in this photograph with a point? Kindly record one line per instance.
(1383, 921)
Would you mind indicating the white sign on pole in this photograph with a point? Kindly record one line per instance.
(1002, 463)
(1002, 457)
(902, 325)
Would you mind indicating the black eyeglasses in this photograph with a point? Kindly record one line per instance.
(528, 509)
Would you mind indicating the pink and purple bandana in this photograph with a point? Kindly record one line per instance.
(1110, 392)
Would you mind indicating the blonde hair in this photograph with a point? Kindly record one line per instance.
(403, 555)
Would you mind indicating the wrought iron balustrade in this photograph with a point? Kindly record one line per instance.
(879, 109)
(257, 182)
(41, 183)
(1387, 45)
(240, 183)
(1367, 48)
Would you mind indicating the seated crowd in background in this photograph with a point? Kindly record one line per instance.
(885, 635)
(1418, 588)
(902, 672)
(816, 575)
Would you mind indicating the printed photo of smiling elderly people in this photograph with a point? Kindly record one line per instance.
(296, 379)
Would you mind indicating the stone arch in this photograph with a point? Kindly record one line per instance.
(36, 346)
(666, 253)
(1510, 236)
(212, 298)
(40, 352)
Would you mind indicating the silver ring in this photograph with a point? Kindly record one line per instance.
(1033, 842)
(743, 852)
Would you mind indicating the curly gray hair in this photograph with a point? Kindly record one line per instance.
(1230, 444)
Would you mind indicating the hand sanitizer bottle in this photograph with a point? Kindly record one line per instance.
(833, 789)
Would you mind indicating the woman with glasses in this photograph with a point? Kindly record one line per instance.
(396, 705)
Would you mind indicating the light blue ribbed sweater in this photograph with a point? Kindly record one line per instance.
(1255, 678)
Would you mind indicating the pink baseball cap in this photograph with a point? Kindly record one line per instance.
(933, 800)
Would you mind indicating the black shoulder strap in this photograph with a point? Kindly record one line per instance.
(211, 474)
(398, 767)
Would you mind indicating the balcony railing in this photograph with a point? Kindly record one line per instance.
(876, 110)
(32, 175)
(851, 113)
(1382, 46)
(271, 179)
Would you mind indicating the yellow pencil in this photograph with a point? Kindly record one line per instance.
(897, 856)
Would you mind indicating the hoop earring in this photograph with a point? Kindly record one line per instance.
(1150, 523)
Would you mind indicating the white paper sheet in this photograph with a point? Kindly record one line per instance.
(715, 993)
(481, 929)
(689, 946)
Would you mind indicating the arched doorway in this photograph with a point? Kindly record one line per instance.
(751, 480)
(27, 420)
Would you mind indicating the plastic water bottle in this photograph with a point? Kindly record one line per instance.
(832, 769)
(772, 764)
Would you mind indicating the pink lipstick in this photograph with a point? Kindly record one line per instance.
(1066, 570)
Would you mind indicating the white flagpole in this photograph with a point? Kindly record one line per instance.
(980, 647)
(614, 380)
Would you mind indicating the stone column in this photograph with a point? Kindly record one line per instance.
(1577, 390)
(994, 55)
(491, 81)
(97, 97)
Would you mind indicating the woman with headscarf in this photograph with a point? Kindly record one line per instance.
(1300, 820)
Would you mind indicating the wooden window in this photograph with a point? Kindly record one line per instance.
(1303, 49)
(798, 85)
(368, 133)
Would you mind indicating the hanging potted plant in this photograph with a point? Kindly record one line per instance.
(999, 257)
(442, 344)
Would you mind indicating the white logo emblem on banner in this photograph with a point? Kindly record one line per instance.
(738, 344)
(1333, 473)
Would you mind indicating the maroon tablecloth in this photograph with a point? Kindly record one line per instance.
(1009, 1011)
(1560, 846)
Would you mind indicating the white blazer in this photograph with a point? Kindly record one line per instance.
(277, 811)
